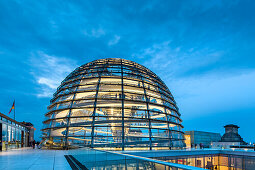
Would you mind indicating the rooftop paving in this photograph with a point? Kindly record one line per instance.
(27, 158)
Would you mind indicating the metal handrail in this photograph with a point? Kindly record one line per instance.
(185, 167)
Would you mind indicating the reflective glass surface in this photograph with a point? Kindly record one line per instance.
(96, 159)
(113, 103)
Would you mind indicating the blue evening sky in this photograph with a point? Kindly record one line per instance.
(203, 50)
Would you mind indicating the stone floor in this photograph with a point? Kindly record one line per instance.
(33, 159)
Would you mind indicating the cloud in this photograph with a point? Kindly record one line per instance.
(199, 83)
(214, 93)
(48, 82)
(45, 92)
(182, 42)
(49, 71)
(114, 41)
(95, 33)
(173, 61)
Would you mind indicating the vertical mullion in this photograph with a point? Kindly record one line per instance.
(168, 127)
(122, 102)
(69, 114)
(95, 104)
(148, 113)
(169, 131)
(50, 125)
(94, 112)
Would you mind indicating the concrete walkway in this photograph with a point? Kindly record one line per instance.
(33, 159)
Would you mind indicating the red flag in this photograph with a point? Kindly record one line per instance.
(13, 107)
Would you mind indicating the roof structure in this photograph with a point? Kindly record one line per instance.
(113, 103)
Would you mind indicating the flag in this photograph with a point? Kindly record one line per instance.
(13, 107)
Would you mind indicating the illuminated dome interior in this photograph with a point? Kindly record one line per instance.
(113, 103)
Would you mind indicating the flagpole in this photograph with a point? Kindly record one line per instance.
(14, 109)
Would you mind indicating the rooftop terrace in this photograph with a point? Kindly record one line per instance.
(27, 158)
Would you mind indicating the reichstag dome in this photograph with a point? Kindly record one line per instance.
(116, 104)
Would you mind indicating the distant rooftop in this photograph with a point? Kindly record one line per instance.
(231, 125)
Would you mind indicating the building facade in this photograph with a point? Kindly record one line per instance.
(231, 134)
(195, 138)
(113, 103)
(14, 134)
(230, 138)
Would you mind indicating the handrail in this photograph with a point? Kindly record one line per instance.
(185, 167)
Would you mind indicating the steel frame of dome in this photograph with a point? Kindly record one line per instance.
(113, 103)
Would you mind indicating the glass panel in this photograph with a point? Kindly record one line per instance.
(4, 132)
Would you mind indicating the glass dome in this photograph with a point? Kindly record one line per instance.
(113, 103)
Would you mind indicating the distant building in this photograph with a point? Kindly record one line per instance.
(31, 131)
(194, 138)
(230, 138)
(14, 134)
(231, 134)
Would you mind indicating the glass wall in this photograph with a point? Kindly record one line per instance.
(113, 103)
(12, 134)
(215, 161)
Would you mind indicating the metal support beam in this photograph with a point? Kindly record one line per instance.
(122, 103)
(95, 104)
(94, 112)
(148, 113)
(68, 118)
